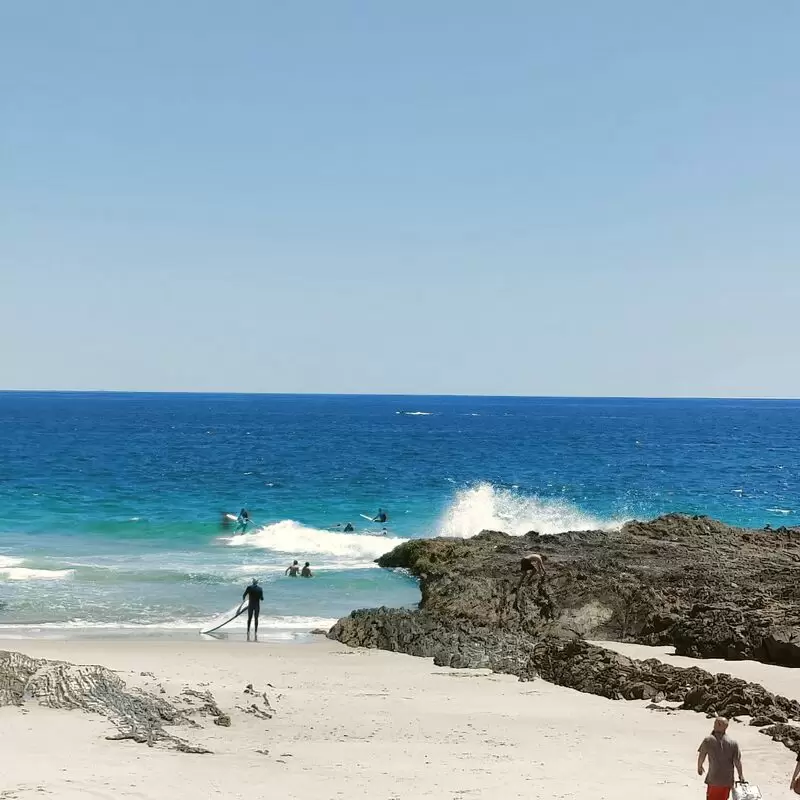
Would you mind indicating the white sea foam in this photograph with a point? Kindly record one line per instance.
(9, 561)
(780, 510)
(485, 507)
(282, 622)
(25, 574)
(288, 536)
(414, 413)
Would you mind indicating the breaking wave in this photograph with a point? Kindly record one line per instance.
(11, 571)
(290, 537)
(485, 507)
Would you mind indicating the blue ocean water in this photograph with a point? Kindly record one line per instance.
(110, 504)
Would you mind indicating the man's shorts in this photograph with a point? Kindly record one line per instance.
(717, 792)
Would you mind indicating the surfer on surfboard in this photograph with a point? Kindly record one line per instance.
(242, 521)
(381, 517)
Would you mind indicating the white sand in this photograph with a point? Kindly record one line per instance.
(363, 724)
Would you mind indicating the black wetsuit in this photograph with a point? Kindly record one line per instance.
(381, 517)
(254, 595)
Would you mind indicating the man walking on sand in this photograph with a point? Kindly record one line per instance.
(723, 755)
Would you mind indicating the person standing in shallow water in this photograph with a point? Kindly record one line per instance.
(723, 757)
(254, 594)
(306, 571)
(293, 569)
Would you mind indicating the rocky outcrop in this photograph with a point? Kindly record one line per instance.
(588, 668)
(573, 663)
(457, 644)
(136, 714)
(706, 588)
(788, 735)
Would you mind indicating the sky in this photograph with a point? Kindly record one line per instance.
(449, 197)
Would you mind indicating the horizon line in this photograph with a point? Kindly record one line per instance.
(396, 394)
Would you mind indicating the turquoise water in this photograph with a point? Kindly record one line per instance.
(110, 504)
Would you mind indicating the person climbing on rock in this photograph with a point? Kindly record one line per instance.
(530, 566)
(532, 563)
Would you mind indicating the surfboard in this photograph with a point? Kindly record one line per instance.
(241, 610)
(232, 516)
(371, 519)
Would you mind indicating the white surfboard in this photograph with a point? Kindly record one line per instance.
(239, 612)
(371, 519)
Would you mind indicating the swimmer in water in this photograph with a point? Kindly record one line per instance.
(380, 517)
(292, 570)
(348, 528)
(306, 571)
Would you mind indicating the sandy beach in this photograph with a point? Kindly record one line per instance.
(364, 723)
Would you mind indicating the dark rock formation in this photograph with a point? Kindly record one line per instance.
(137, 715)
(594, 670)
(788, 735)
(706, 588)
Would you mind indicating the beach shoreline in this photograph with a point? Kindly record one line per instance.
(56, 633)
(359, 723)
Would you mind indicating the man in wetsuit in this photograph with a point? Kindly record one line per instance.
(242, 521)
(254, 594)
(348, 528)
(381, 516)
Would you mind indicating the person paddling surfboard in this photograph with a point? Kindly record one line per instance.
(380, 517)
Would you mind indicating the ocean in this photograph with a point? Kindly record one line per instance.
(111, 504)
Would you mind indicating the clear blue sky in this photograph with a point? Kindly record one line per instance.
(417, 197)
